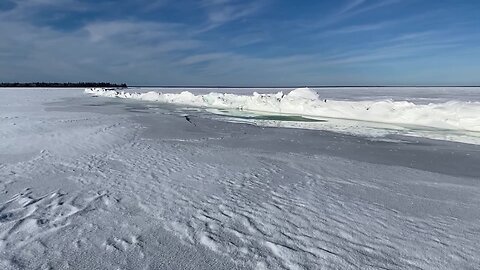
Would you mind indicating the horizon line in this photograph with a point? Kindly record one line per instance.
(298, 86)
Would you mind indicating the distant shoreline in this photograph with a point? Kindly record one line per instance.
(124, 85)
(62, 85)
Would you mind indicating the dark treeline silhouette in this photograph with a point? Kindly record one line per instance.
(67, 85)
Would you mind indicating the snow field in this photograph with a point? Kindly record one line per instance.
(104, 187)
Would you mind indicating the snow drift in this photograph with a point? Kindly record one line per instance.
(452, 115)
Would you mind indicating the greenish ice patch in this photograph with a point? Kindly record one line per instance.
(275, 117)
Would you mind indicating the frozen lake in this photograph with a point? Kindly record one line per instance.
(109, 183)
(380, 112)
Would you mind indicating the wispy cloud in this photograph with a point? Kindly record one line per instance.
(408, 46)
(220, 41)
(378, 25)
(354, 8)
(131, 30)
(351, 5)
(422, 35)
(202, 58)
(364, 6)
(100, 50)
(360, 28)
(220, 12)
(25, 8)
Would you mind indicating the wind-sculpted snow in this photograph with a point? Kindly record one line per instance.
(90, 184)
(452, 115)
(287, 211)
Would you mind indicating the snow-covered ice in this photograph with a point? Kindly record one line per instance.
(460, 119)
(101, 183)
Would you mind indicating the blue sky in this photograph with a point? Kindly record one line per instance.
(231, 42)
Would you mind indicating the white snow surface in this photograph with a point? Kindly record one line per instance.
(87, 183)
(462, 118)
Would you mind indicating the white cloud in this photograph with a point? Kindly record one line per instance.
(352, 9)
(352, 4)
(220, 12)
(359, 28)
(150, 52)
(132, 30)
(201, 58)
(113, 50)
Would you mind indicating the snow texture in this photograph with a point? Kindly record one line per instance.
(96, 183)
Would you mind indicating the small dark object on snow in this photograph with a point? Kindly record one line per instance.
(189, 120)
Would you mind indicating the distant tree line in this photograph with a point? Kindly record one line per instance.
(66, 85)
